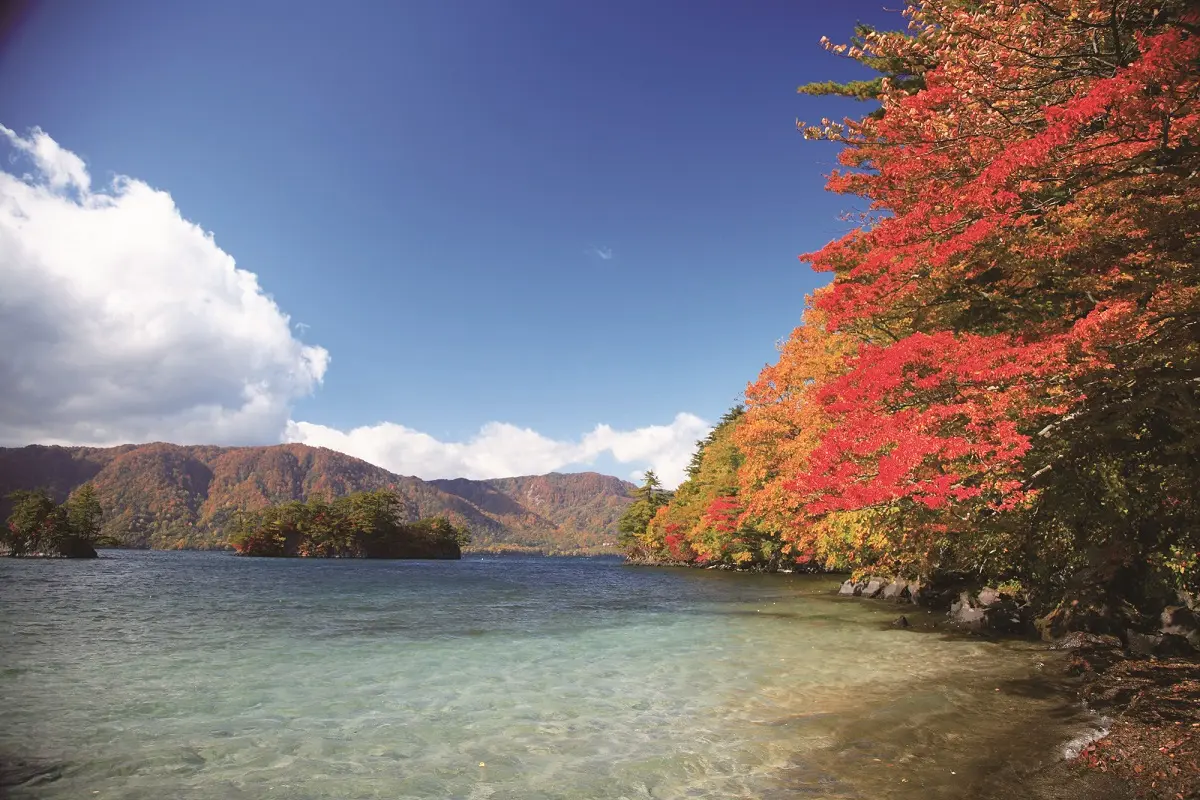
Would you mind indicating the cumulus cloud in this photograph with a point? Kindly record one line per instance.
(502, 450)
(122, 321)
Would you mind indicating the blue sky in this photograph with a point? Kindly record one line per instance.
(552, 215)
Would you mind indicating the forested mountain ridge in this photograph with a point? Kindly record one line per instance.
(174, 496)
(574, 506)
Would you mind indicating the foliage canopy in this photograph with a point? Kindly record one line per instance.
(358, 525)
(1003, 376)
(39, 526)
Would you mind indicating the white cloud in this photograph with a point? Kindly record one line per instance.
(61, 169)
(502, 450)
(603, 253)
(121, 321)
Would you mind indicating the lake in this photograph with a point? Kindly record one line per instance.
(203, 675)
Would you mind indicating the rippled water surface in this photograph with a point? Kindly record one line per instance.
(204, 675)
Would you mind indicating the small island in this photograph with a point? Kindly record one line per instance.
(358, 525)
(40, 528)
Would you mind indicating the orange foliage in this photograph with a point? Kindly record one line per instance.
(1028, 267)
(783, 426)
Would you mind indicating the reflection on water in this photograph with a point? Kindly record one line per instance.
(152, 675)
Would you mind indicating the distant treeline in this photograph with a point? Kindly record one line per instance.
(501, 549)
(358, 525)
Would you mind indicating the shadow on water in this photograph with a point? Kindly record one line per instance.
(18, 773)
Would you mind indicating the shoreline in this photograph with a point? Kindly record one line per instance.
(1153, 740)
(1147, 740)
(1145, 743)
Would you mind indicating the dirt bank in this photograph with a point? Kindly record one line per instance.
(1154, 739)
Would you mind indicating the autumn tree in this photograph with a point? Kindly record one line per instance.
(703, 521)
(35, 523)
(634, 522)
(1020, 309)
(39, 526)
(782, 426)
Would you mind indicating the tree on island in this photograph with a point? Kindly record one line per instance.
(358, 525)
(84, 514)
(38, 526)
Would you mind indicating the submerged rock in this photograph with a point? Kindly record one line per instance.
(27, 774)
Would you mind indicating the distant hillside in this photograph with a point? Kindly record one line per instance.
(172, 496)
(572, 508)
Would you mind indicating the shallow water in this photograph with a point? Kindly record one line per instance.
(203, 675)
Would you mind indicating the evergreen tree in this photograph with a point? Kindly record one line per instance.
(84, 514)
(636, 519)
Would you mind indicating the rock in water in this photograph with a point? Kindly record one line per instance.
(964, 615)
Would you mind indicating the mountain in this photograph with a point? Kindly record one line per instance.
(575, 506)
(172, 496)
